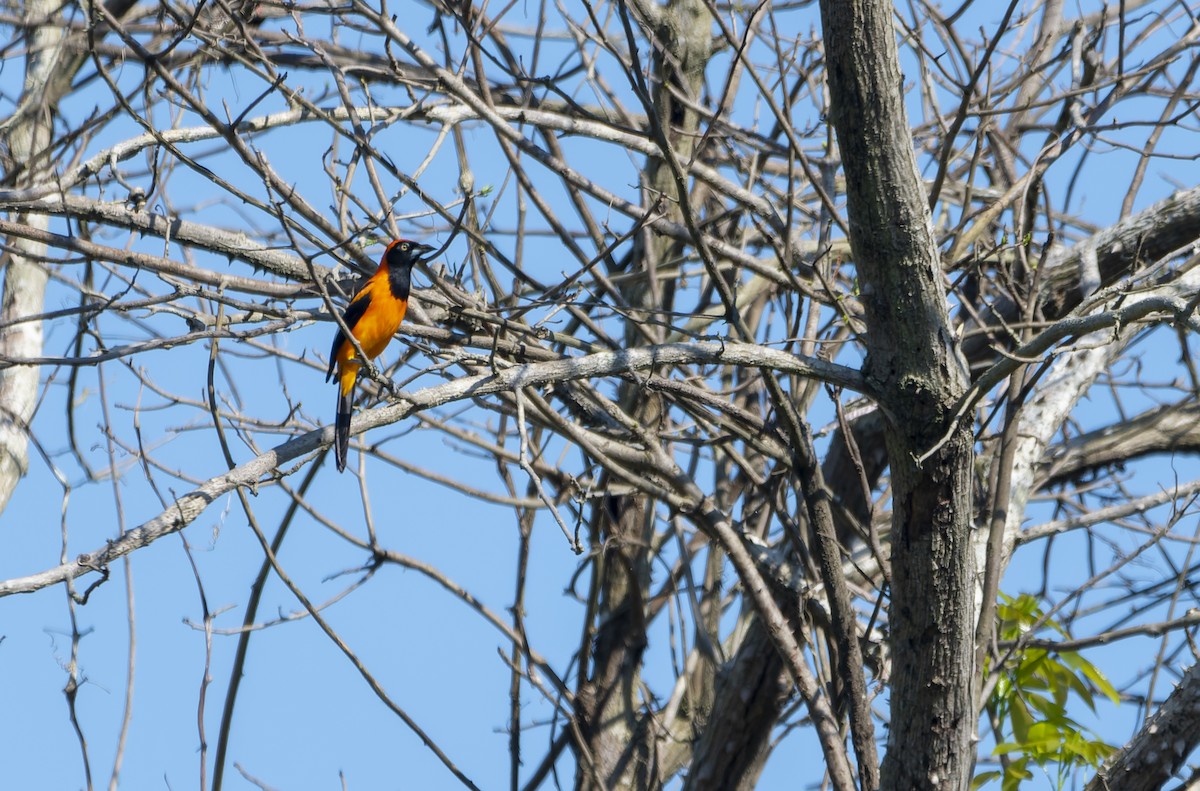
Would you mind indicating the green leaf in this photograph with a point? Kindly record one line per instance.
(1004, 748)
(1076, 683)
(1021, 719)
(982, 779)
(1042, 705)
(1044, 737)
(1014, 774)
(1030, 702)
(1093, 674)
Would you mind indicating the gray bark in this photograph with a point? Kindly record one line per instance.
(614, 720)
(914, 361)
(753, 690)
(1161, 746)
(1174, 428)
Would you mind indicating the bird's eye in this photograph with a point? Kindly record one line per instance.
(404, 247)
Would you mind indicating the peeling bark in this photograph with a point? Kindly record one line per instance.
(25, 275)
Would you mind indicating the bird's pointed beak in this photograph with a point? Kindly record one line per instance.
(422, 250)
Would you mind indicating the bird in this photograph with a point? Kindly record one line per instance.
(373, 316)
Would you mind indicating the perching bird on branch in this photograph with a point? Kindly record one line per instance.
(373, 316)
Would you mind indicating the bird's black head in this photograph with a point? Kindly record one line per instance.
(399, 259)
(403, 253)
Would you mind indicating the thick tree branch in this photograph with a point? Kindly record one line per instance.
(267, 467)
(913, 357)
(1160, 747)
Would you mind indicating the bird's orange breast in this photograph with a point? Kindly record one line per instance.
(373, 330)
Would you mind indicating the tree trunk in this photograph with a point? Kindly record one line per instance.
(914, 360)
(617, 729)
(753, 689)
(609, 704)
(49, 70)
(25, 275)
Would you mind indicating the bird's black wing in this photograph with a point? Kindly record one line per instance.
(354, 312)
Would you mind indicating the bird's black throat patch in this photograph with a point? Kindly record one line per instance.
(400, 263)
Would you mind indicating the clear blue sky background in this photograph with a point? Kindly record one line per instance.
(305, 716)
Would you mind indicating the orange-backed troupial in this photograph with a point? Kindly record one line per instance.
(373, 317)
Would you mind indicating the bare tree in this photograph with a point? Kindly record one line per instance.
(796, 325)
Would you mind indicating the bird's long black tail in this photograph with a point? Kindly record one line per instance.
(341, 430)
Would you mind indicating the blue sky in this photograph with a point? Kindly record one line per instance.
(305, 717)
